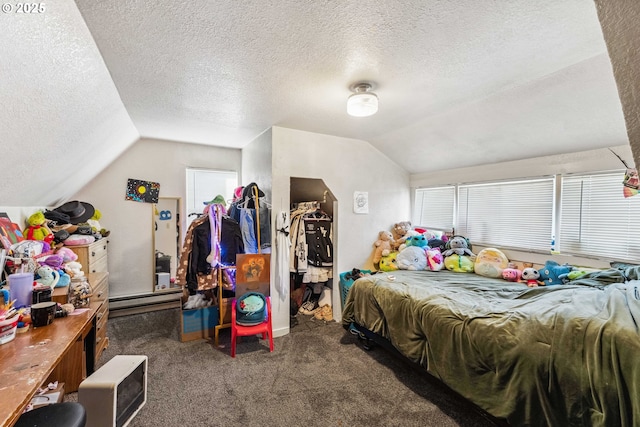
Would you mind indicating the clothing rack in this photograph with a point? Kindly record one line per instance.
(224, 305)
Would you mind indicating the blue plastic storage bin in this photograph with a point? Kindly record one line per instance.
(345, 284)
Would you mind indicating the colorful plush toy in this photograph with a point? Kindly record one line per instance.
(440, 243)
(551, 272)
(458, 245)
(412, 258)
(435, 260)
(458, 263)
(37, 228)
(96, 228)
(383, 245)
(511, 274)
(47, 276)
(530, 276)
(389, 262)
(490, 262)
(572, 275)
(416, 240)
(67, 254)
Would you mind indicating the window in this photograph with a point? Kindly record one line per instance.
(597, 220)
(516, 214)
(434, 207)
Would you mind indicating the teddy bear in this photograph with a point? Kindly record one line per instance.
(74, 269)
(37, 228)
(389, 262)
(530, 276)
(383, 245)
(401, 232)
(412, 258)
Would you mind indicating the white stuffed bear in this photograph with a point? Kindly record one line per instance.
(74, 269)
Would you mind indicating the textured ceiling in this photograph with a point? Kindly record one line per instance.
(460, 83)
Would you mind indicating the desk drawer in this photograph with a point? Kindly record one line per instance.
(100, 290)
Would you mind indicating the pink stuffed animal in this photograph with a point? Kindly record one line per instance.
(511, 274)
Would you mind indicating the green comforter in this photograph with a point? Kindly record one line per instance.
(564, 355)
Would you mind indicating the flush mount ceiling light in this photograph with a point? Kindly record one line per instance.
(362, 102)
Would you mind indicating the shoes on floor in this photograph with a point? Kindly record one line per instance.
(309, 307)
(324, 313)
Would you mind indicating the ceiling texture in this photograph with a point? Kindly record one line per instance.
(460, 83)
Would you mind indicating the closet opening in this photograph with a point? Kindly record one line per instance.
(313, 279)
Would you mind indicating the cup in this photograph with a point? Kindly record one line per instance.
(20, 289)
(43, 313)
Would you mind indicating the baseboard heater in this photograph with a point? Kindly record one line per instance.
(144, 303)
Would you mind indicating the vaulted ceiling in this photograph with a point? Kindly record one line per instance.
(460, 83)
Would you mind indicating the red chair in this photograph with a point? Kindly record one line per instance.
(263, 328)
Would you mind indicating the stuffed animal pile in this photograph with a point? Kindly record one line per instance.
(407, 248)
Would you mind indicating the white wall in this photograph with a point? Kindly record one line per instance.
(585, 161)
(345, 165)
(130, 243)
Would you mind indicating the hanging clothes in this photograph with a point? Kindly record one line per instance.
(254, 216)
(283, 244)
(187, 274)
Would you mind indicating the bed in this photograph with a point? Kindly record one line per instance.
(564, 355)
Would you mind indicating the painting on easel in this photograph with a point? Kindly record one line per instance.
(252, 273)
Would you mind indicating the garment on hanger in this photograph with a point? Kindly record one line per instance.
(283, 244)
(254, 216)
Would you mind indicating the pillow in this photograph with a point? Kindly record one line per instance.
(490, 262)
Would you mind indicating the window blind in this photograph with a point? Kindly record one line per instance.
(516, 214)
(434, 207)
(596, 219)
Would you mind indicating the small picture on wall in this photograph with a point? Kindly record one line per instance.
(361, 202)
(142, 191)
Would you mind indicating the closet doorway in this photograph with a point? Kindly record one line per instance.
(205, 184)
(313, 281)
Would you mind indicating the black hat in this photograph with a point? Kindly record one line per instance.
(56, 217)
(77, 211)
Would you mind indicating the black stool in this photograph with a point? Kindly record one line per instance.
(65, 414)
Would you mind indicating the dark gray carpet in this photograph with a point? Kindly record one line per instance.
(318, 375)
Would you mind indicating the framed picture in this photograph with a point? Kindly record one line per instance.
(361, 202)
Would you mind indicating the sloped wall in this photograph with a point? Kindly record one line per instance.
(130, 243)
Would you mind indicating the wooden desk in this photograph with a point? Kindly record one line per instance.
(32, 357)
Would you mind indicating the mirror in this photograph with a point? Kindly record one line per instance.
(167, 241)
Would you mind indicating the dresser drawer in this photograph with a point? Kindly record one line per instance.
(97, 250)
(93, 257)
(97, 265)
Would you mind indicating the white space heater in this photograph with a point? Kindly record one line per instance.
(114, 394)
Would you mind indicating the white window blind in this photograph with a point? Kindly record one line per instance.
(516, 214)
(597, 220)
(434, 207)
